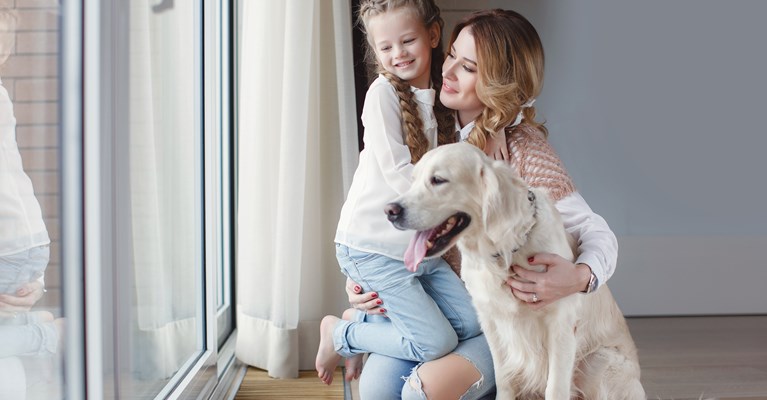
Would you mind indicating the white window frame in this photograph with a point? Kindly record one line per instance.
(94, 47)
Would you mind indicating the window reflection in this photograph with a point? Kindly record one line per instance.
(156, 192)
(30, 316)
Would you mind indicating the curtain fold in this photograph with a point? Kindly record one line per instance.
(347, 105)
(294, 128)
(163, 204)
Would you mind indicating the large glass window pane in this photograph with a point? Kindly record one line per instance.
(30, 348)
(149, 180)
(162, 219)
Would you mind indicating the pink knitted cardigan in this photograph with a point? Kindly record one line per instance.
(536, 161)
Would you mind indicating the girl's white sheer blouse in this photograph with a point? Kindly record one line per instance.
(21, 221)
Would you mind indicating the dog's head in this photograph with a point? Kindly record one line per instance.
(458, 191)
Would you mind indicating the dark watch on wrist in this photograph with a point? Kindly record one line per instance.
(592, 286)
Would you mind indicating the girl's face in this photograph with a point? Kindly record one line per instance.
(460, 79)
(403, 45)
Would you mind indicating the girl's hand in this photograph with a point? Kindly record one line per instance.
(368, 302)
(560, 279)
(23, 300)
(497, 148)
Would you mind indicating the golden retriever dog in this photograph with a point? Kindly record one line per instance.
(578, 347)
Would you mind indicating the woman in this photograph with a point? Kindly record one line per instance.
(492, 74)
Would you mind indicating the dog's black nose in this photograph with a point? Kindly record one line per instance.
(393, 211)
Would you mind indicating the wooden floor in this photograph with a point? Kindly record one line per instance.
(702, 357)
(257, 385)
(722, 358)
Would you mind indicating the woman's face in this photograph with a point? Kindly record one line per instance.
(460, 79)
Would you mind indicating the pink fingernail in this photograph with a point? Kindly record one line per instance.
(357, 288)
(379, 302)
(374, 295)
(383, 310)
(530, 259)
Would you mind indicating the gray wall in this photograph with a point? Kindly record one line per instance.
(657, 110)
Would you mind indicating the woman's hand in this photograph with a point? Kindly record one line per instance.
(23, 300)
(368, 302)
(561, 278)
(497, 148)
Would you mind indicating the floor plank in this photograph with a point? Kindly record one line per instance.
(257, 385)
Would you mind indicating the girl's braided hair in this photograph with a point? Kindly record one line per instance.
(412, 125)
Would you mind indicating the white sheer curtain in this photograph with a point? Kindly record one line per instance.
(297, 152)
(164, 189)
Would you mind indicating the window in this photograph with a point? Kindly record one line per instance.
(134, 181)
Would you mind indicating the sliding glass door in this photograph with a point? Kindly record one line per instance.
(146, 175)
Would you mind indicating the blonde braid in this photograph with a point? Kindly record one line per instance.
(412, 125)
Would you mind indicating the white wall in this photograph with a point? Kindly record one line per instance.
(657, 110)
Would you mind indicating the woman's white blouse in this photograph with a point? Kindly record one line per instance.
(384, 171)
(21, 221)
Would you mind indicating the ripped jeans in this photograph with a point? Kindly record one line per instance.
(385, 378)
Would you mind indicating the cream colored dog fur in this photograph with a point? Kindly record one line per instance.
(578, 347)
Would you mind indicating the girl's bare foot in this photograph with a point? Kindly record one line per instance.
(353, 364)
(327, 358)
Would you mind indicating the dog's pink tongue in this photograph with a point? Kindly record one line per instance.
(416, 250)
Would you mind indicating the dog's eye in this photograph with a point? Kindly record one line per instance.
(435, 180)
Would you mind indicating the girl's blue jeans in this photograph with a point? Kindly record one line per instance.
(22, 267)
(24, 333)
(428, 311)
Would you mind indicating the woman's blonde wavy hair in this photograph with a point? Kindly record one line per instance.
(510, 63)
(412, 125)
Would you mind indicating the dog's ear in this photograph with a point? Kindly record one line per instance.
(504, 200)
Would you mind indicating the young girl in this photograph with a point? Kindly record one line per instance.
(429, 310)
